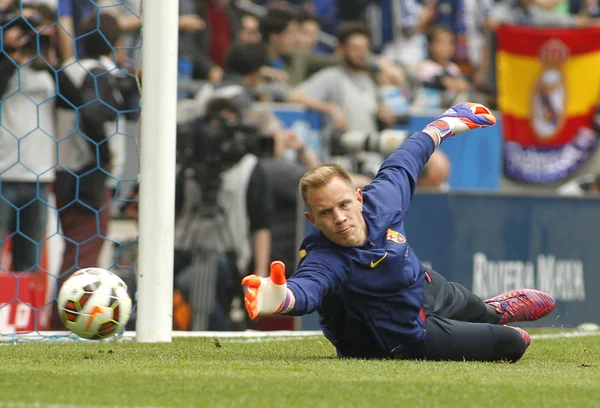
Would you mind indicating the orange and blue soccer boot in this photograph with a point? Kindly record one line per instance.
(522, 305)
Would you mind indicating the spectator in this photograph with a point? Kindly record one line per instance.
(409, 44)
(434, 175)
(128, 14)
(475, 28)
(467, 20)
(27, 158)
(226, 23)
(279, 30)
(249, 31)
(346, 93)
(222, 17)
(308, 34)
(128, 65)
(242, 74)
(349, 97)
(283, 176)
(223, 20)
(439, 73)
(71, 14)
(190, 23)
(451, 14)
(290, 62)
(191, 52)
(88, 150)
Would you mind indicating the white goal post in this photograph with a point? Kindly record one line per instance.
(157, 171)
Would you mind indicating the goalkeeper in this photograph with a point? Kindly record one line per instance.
(373, 296)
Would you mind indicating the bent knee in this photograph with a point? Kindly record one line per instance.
(510, 345)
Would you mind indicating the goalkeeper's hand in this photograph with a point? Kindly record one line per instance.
(461, 118)
(268, 295)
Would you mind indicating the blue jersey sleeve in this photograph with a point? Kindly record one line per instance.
(318, 276)
(393, 187)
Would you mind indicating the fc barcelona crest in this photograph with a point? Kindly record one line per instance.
(395, 236)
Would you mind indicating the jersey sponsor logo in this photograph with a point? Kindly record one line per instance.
(395, 236)
(377, 262)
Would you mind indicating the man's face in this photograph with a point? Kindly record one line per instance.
(285, 42)
(250, 30)
(309, 35)
(355, 52)
(442, 47)
(28, 53)
(336, 210)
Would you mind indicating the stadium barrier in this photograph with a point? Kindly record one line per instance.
(492, 243)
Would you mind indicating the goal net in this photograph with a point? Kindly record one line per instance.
(70, 170)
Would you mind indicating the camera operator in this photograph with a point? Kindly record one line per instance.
(27, 158)
(283, 176)
(223, 222)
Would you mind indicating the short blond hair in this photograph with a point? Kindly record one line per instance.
(321, 176)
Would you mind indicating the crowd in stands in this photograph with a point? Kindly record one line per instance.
(68, 86)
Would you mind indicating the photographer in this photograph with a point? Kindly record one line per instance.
(89, 127)
(222, 229)
(283, 175)
(27, 158)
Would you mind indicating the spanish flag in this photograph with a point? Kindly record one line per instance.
(548, 91)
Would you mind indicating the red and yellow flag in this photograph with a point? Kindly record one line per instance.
(548, 90)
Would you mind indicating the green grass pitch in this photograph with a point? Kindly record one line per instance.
(204, 372)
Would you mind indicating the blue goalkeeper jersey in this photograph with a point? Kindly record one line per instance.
(370, 297)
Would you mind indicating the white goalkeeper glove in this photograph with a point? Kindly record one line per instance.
(270, 295)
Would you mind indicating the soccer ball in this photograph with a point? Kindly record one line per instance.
(94, 304)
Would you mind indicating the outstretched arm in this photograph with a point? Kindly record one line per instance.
(318, 276)
(395, 183)
(313, 282)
